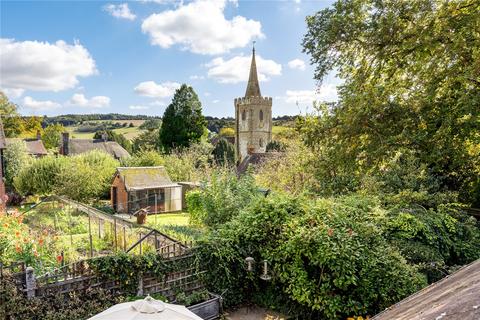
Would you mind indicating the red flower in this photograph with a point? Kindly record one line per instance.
(18, 248)
(40, 242)
(17, 234)
(330, 232)
(59, 258)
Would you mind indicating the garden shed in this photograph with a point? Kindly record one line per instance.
(150, 188)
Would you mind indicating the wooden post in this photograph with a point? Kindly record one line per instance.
(115, 231)
(156, 242)
(124, 239)
(70, 225)
(90, 235)
(140, 244)
(30, 283)
(140, 286)
(99, 228)
(156, 212)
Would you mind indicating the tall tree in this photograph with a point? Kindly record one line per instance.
(412, 80)
(16, 158)
(183, 122)
(51, 136)
(13, 125)
(224, 152)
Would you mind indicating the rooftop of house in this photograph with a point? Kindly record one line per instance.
(34, 147)
(141, 178)
(78, 146)
(455, 297)
(255, 159)
(217, 138)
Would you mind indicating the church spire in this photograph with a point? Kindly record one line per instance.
(253, 88)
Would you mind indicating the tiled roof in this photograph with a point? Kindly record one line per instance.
(455, 297)
(34, 147)
(138, 178)
(77, 146)
(256, 159)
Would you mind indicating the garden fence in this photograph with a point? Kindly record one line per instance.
(79, 276)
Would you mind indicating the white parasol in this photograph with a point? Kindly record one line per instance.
(146, 309)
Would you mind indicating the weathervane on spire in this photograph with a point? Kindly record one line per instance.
(253, 45)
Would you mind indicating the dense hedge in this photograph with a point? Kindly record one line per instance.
(333, 258)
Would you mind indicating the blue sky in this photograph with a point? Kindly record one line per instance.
(62, 57)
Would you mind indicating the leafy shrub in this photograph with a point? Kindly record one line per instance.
(436, 240)
(145, 158)
(222, 198)
(328, 258)
(275, 146)
(40, 176)
(81, 177)
(227, 132)
(16, 158)
(151, 124)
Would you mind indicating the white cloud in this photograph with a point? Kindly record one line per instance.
(196, 77)
(207, 94)
(121, 11)
(201, 27)
(154, 90)
(79, 100)
(326, 93)
(296, 64)
(139, 107)
(12, 93)
(42, 66)
(216, 101)
(31, 103)
(237, 69)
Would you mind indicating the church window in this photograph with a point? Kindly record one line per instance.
(260, 115)
(244, 115)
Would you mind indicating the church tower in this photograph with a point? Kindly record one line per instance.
(253, 118)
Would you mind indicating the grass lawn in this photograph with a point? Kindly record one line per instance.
(175, 225)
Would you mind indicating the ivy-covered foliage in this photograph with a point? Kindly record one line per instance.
(14, 305)
(127, 269)
(334, 257)
(437, 240)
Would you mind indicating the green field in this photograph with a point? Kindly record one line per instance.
(129, 133)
